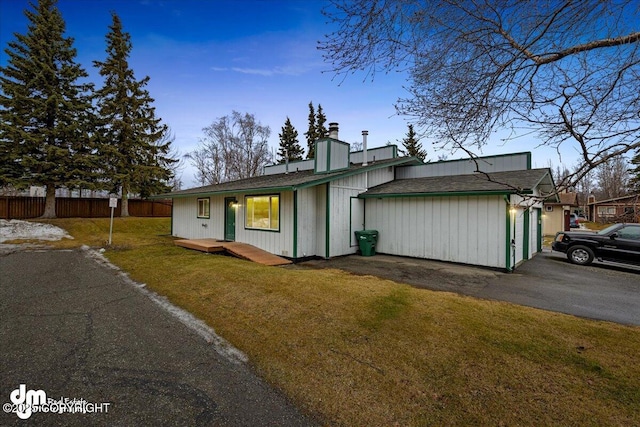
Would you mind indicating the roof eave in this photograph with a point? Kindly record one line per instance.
(230, 191)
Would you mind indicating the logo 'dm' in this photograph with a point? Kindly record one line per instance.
(26, 400)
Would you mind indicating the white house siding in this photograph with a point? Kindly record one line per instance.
(309, 218)
(509, 162)
(186, 223)
(518, 224)
(533, 231)
(379, 176)
(375, 154)
(341, 192)
(464, 229)
(188, 226)
(276, 242)
(320, 225)
(521, 205)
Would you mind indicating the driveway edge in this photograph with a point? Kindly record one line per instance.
(220, 345)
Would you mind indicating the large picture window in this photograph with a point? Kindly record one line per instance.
(263, 212)
(203, 208)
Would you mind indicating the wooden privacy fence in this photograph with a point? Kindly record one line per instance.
(68, 207)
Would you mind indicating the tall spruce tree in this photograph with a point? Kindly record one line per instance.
(312, 133)
(321, 119)
(132, 140)
(45, 110)
(290, 148)
(317, 129)
(412, 145)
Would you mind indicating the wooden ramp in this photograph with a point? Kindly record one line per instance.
(202, 245)
(240, 250)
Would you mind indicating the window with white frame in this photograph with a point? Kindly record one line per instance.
(203, 208)
(262, 212)
(606, 210)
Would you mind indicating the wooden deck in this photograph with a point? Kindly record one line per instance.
(240, 250)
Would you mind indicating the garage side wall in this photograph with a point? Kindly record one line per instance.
(464, 229)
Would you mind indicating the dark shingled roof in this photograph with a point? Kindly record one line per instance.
(522, 181)
(282, 181)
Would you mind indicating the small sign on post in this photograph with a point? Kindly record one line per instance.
(113, 204)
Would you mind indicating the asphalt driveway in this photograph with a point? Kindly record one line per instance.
(548, 281)
(77, 329)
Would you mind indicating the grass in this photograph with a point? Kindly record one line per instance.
(366, 351)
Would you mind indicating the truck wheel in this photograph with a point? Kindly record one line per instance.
(581, 255)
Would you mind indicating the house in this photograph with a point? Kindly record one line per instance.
(557, 212)
(312, 208)
(619, 209)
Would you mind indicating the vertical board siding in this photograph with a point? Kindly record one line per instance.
(341, 192)
(339, 156)
(467, 230)
(320, 225)
(379, 176)
(511, 162)
(379, 153)
(533, 232)
(277, 242)
(519, 234)
(309, 217)
(186, 223)
(321, 156)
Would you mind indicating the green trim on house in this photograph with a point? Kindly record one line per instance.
(269, 230)
(328, 169)
(527, 153)
(444, 194)
(368, 168)
(295, 224)
(539, 229)
(351, 230)
(526, 232)
(253, 191)
(327, 218)
(322, 179)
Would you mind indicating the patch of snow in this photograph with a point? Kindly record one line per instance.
(220, 345)
(25, 230)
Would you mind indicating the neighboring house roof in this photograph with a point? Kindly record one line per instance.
(616, 199)
(288, 181)
(570, 199)
(523, 182)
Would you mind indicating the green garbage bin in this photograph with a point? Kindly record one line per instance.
(367, 240)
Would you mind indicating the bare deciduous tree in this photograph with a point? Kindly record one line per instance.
(234, 147)
(612, 178)
(565, 71)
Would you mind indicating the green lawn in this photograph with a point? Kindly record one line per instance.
(366, 351)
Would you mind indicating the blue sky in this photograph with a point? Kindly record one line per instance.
(207, 58)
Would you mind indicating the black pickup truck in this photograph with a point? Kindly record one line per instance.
(618, 243)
